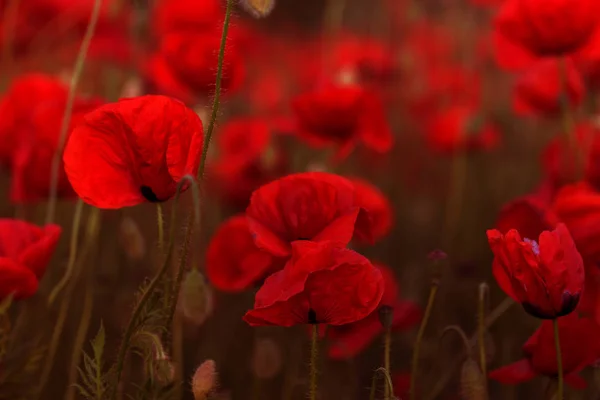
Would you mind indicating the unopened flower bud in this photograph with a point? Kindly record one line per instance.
(472, 383)
(163, 371)
(266, 359)
(386, 316)
(204, 380)
(258, 8)
(131, 239)
(196, 297)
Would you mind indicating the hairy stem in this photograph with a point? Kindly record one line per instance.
(561, 390)
(483, 289)
(387, 349)
(314, 357)
(72, 253)
(420, 334)
(217, 98)
(64, 128)
(160, 220)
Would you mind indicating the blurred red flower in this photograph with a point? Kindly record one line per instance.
(247, 158)
(349, 340)
(233, 262)
(460, 128)
(530, 215)
(370, 198)
(25, 251)
(343, 115)
(321, 284)
(578, 206)
(133, 151)
(540, 89)
(313, 206)
(579, 348)
(548, 27)
(169, 16)
(401, 383)
(546, 278)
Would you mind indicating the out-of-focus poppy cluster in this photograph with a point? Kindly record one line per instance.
(268, 199)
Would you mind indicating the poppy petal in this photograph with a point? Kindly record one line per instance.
(515, 373)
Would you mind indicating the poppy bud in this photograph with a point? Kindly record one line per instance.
(132, 240)
(163, 371)
(204, 380)
(472, 383)
(196, 297)
(546, 278)
(258, 8)
(266, 359)
(386, 316)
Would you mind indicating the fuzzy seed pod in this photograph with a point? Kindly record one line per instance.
(204, 380)
(132, 87)
(472, 382)
(490, 348)
(266, 359)
(131, 239)
(163, 371)
(258, 8)
(196, 297)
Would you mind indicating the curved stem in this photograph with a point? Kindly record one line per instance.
(217, 99)
(561, 389)
(387, 349)
(373, 386)
(72, 253)
(64, 128)
(148, 292)
(314, 357)
(420, 334)
(93, 221)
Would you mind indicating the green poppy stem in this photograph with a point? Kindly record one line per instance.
(416, 352)
(561, 390)
(314, 357)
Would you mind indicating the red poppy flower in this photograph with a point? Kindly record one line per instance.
(313, 206)
(530, 215)
(25, 251)
(557, 157)
(509, 55)
(540, 89)
(133, 151)
(248, 158)
(343, 115)
(546, 278)
(401, 383)
(25, 94)
(321, 284)
(459, 128)
(188, 58)
(30, 176)
(370, 198)
(233, 262)
(548, 27)
(579, 348)
(578, 206)
(170, 16)
(349, 340)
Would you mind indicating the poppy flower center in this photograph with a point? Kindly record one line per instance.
(534, 246)
(312, 316)
(149, 194)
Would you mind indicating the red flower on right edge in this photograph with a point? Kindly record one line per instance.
(579, 348)
(546, 278)
(322, 283)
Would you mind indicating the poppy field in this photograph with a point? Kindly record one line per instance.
(283, 200)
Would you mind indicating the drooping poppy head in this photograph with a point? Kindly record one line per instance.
(25, 251)
(349, 340)
(578, 206)
(460, 128)
(548, 28)
(233, 262)
(321, 284)
(546, 277)
(370, 198)
(579, 348)
(314, 206)
(540, 90)
(343, 115)
(133, 151)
